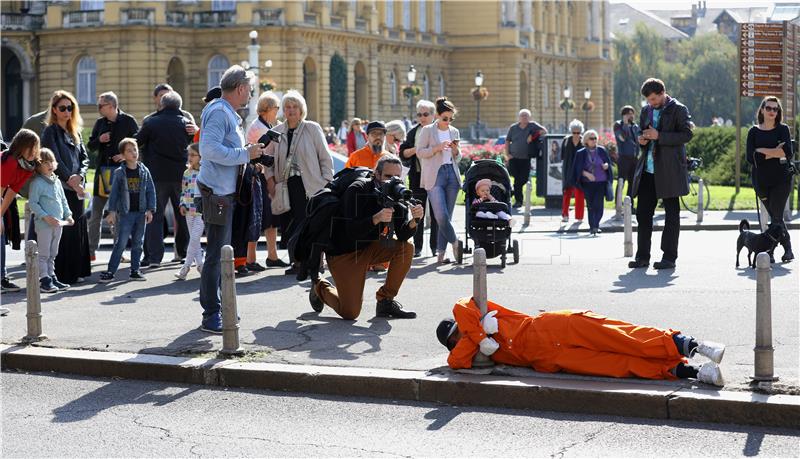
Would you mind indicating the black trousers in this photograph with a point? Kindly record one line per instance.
(520, 169)
(774, 198)
(422, 195)
(154, 233)
(626, 169)
(291, 221)
(645, 209)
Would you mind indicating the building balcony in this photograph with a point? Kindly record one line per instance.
(269, 17)
(441, 39)
(524, 41)
(137, 16)
(426, 38)
(361, 25)
(337, 22)
(394, 34)
(85, 18)
(214, 18)
(310, 18)
(177, 18)
(17, 21)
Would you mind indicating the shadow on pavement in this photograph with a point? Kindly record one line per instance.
(193, 341)
(638, 279)
(778, 269)
(331, 338)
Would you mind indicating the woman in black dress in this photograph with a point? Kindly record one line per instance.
(63, 136)
(769, 151)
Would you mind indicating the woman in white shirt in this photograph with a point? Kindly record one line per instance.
(438, 153)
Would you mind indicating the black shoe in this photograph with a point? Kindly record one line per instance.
(137, 276)
(638, 264)
(293, 270)
(315, 300)
(787, 256)
(417, 253)
(517, 205)
(664, 264)
(242, 271)
(8, 286)
(391, 308)
(59, 285)
(276, 263)
(144, 264)
(255, 267)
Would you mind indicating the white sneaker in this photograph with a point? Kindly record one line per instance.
(714, 351)
(710, 373)
(503, 216)
(564, 219)
(182, 274)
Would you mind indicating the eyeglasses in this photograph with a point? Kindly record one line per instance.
(65, 108)
(771, 108)
(447, 120)
(100, 106)
(576, 133)
(423, 114)
(591, 138)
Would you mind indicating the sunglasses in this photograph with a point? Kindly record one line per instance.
(65, 108)
(591, 138)
(100, 106)
(771, 108)
(423, 114)
(447, 120)
(576, 133)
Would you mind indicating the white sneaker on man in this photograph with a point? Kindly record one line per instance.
(713, 351)
(710, 373)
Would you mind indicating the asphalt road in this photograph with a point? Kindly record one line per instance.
(705, 296)
(48, 415)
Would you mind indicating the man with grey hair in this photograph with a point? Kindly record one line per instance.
(521, 145)
(363, 238)
(158, 92)
(112, 126)
(163, 140)
(223, 152)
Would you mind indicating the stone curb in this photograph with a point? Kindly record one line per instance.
(577, 396)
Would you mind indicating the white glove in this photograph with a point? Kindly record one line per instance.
(489, 323)
(488, 346)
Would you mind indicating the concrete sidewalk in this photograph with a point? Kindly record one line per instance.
(705, 296)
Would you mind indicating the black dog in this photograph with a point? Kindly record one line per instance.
(764, 242)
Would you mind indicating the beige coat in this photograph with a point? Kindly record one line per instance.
(311, 150)
(430, 161)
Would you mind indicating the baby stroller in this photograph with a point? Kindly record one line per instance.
(494, 236)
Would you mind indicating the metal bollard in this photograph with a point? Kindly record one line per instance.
(700, 190)
(34, 313)
(618, 198)
(628, 223)
(527, 219)
(764, 364)
(230, 317)
(763, 216)
(479, 294)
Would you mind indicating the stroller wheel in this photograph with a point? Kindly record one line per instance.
(503, 260)
(516, 252)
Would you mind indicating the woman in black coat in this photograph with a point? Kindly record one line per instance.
(593, 174)
(62, 135)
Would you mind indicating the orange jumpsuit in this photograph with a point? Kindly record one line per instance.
(577, 341)
(363, 157)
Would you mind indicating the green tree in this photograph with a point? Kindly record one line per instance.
(638, 57)
(338, 90)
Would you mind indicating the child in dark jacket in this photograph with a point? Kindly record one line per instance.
(131, 205)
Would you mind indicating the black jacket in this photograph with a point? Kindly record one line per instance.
(669, 153)
(568, 150)
(412, 162)
(71, 156)
(162, 143)
(353, 230)
(124, 126)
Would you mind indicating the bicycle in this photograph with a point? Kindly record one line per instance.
(692, 164)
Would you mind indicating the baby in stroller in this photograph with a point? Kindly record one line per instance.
(485, 205)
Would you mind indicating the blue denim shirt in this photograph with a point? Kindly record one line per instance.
(221, 147)
(119, 199)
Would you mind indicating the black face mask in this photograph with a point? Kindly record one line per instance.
(25, 164)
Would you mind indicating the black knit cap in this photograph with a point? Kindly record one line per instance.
(213, 93)
(446, 328)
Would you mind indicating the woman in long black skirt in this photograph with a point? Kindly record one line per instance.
(62, 136)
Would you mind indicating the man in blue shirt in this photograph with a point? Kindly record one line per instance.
(223, 151)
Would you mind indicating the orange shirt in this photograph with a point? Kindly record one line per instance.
(364, 157)
(573, 341)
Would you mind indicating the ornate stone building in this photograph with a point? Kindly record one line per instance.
(528, 52)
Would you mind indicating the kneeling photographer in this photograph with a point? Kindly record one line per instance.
(373, 227)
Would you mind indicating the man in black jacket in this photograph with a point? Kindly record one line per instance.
(112, 126)
(660, 171)
(163, 140)
(360, 239)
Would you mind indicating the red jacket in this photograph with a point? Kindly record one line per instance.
(351, 141)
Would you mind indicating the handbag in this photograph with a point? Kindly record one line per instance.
(217, 209)
(609, 191)
(104, 180)
(280, 202)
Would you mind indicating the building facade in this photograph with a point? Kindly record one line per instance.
(355, 52)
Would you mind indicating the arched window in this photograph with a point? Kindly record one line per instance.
(86, 80)
(442, 89)
(422, 15)
(393, 88)
(426, 87)
(216, 67)
(389, 5)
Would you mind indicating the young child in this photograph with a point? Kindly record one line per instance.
(484, 191)
(194, 220)
(49, 204)
(131, 205)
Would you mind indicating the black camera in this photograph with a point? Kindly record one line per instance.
(264, 160)
(270, 136)
(394, 190)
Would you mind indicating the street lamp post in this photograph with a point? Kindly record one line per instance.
(478, 85)
(412, 78)
(587, 94)
(253, 49)
(566, 104)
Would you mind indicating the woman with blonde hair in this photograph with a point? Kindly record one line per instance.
(62, 135)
